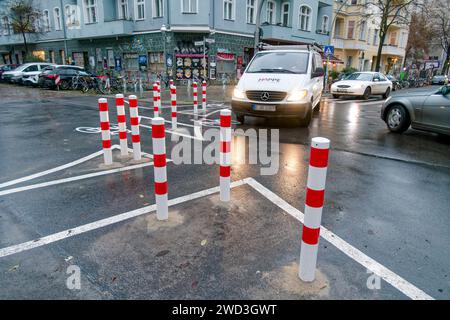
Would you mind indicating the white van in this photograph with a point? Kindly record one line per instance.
(282, 81)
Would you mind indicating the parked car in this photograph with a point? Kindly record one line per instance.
(15, 76)
(442, 79)
(422, 110)
(30, 75)
(341, 76)
(395, 82)
(7, 67)
(284, 81)
(65, 72)
(362, 84)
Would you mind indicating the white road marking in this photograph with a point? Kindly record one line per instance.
(387, 275)
(174, 132)
(105, 222)
(56, 169)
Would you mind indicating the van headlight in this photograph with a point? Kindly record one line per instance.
(297, 95)
(238, 93)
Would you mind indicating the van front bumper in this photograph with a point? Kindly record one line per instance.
(282, 109)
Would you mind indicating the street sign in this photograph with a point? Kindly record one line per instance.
(209, 40)
(329, 50)
(198, 43)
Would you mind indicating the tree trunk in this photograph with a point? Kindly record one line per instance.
(380, 49)
(446, 61)
(25, 44)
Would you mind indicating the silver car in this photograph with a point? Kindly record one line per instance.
(422, 110)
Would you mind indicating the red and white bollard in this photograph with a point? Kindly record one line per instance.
(204, 95)
(225, 154)
(106, 133)
(171, 83)
(155, 100)
(173, 101)
(159, 95)
(315, 191)
(160, 170)
(134, 120)
(195, 96)
(121, 120)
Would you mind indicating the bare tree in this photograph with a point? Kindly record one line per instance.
(439, 19)
(420, 36)
(388, 12)
(23, 16)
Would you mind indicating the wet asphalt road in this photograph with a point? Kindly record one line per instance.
(388, 195)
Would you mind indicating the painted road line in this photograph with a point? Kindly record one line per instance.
(175, 133)
(105, 222)
(387, 275)
(56, 169)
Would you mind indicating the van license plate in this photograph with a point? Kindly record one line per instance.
(264, 107)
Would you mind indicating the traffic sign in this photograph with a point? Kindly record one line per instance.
(198, 43)
(329, 50)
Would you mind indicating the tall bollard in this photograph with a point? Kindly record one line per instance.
(171, 83)
(160, 170)
(315, 191)
(106, 133)
(225, 154)
(159, 96)
(195, 96)
(173, 100)
(155, 100)
(134, 120)
(121, 120)
(204, 95)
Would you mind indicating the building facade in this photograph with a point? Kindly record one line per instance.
(142, 37)
(356, 39)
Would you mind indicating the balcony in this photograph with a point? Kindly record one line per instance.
(105, 29)
(349, 44)
(283, 33)
(393, 50)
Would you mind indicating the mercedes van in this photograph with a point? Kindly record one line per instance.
(280, 81)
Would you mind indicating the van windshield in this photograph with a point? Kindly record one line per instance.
(279, 62)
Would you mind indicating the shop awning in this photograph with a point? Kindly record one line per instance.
(333, 59)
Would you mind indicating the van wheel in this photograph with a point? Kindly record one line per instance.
(240, 118)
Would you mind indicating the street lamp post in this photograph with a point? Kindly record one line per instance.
(258, 23)
(163, 31)
(63, 19)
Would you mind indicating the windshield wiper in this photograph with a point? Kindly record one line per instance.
(274, 71)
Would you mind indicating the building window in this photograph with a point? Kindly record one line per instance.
(270, 14)
(123, 9)
(157, 8)
(354, 2)
(375, 37)
(350, 29)
(46, 17)
(140, 10)
(251, 11)
(362, 31)
(349, 61)
(393, 39)
(5, 26)
(285, 7)
(57, 17)
(325, 20)
(228, 9)
(305, 18)
(189, 6)
(91, 11)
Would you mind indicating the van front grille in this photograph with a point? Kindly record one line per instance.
(266, 96)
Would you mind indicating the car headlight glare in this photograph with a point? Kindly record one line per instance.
(238, 93)
(297, 95)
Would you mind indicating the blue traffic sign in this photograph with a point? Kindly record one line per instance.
(329, 50)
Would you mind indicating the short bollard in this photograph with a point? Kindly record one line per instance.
(195, 96)
(225, 154)
(134, 120)
(155, 100)
(173, 100)
(106, 133)
(315, 191)
(121, 120)
(159, 165)
(204, 95)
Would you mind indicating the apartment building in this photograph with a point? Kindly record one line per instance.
(148, 36)
(356, 39)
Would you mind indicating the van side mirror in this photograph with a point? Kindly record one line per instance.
(319, 72)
